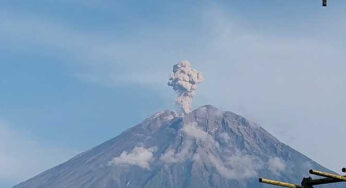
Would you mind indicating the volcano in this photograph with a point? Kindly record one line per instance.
(207, 148)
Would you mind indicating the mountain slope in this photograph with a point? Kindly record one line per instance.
(206, 148)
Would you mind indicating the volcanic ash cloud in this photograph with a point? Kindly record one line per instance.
(184, 80)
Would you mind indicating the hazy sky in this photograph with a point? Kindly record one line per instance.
(75, 73)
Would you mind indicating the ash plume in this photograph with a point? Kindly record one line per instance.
(184, 80)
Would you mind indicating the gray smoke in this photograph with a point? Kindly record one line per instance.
(184, 80)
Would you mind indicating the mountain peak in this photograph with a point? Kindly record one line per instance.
(207, 107)
(212, 118)
(205, 148)
(207, 110)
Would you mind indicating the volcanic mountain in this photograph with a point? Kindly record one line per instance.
(207, 148)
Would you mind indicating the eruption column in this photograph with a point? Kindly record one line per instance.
(184, 80)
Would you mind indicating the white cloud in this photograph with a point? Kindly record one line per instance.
(173, 156)
(238, 167)
(276, 165)
(139, 156)
(225, 137)
(22, 157)
(194, 131)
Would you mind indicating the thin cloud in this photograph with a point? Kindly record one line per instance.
(100, 59)
(276, 165)
(237, 167)
(289, 81)
(21, 156)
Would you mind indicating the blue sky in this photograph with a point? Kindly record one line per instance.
(76, 73)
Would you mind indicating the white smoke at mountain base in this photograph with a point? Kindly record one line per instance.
(237, 167)
(276, 165)
(195, 135)
(173, 156)
(202, 137)
(139, 156)
(192, 130)
(184, 80)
